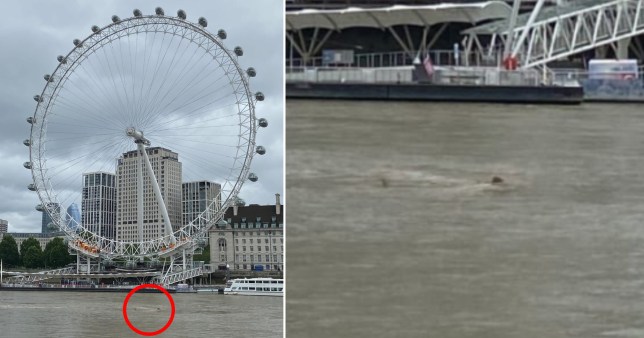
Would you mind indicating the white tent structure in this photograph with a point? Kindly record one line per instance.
(329, 21)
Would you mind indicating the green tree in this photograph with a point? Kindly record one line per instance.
(32, 258)
(56, 254)
(25, 245)
(9, 251)
(240, 201)
(204, 256)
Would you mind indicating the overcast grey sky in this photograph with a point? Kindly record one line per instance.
(35, 32)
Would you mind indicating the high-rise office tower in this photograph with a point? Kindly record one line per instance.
(167, 169)
(73, 216)
(99, 203)
(197, 196)
(47, 224)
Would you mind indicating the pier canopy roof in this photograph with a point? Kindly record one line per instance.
(551, 13)
(423, 15)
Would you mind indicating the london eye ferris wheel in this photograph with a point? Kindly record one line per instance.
(134, 110)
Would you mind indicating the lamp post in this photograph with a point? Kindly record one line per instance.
(227, 273)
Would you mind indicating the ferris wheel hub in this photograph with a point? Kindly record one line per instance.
(137, 135)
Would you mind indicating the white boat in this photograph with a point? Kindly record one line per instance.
(256, 287)
(208, 290)
(185, 288)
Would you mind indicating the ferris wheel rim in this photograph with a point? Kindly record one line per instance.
(48, 196)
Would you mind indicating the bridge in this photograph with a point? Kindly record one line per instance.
(552, 33)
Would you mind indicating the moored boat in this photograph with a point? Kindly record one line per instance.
(256, 287)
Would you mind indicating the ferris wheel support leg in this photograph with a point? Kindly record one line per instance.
(139, 210)
(157, 193)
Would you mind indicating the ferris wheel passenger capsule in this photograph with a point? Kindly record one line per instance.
(27, 142)
(31, 120)
(181, 14)
(37, 98)
(49, 78)
(251, 72)
(252, 177)
(77, 43)
(115, 19)
(203, 22)
(137, 13)
(95, 29)
(40, 208)
(222, 34)
(31, 187)
(260, 150)
(27, 165)
(262, 122)
(61, 59)
(239, 51)
(159, 11)
(259, 96)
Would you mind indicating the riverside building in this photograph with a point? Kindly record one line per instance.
(167, 169)
(4, 226)
(251, 239)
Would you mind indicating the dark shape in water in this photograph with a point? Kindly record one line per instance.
(497, 180)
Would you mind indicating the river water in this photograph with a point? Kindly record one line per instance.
(88, 314)
(395, 231)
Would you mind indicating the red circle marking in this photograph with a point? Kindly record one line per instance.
(148, 286)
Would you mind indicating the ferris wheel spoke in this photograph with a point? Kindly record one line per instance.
(77, 160)
(151, 100)
(110, 105)
(114, 86)
(184, 74)
(145, 99)
(194, 83)
(158, 127)
(195, 97)
(116, 73)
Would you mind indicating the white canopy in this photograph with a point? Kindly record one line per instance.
(396, 15)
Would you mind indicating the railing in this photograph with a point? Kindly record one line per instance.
(346, 74)
(441, 75)
(400, 58)
(32, 277)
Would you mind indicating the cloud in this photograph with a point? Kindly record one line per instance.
(37, 32)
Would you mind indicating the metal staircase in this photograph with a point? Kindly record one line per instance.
(559, 31)
(34, 277)
(173, 276)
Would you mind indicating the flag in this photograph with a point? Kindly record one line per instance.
(429, 67)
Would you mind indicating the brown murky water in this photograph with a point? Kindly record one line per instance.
(36, 314)
(395, 231)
